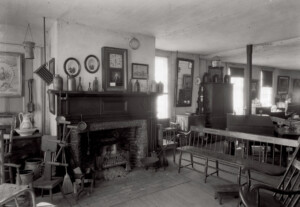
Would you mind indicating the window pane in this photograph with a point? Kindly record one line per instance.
(238, 95)
(161, 75)
(162, 106)
(161, 71)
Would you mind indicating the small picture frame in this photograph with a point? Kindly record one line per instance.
(254, 89)
(283, 84)
(11, 73)
(214, 72)
(72, 67)
(140, 71)
(296, 85)
(91, 64)
(52, 66)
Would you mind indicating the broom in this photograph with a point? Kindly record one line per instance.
(67, 185)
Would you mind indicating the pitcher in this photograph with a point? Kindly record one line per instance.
(25, 120)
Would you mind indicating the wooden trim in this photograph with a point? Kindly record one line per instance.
(1, 158)
(253, 137)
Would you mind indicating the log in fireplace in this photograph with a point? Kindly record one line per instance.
(133, 115)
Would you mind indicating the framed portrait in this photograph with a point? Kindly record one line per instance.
(186, 81)
(254, 89)
(11, 70)
(140, 71)
(72, 67)
(52, 66)
(283, 84)
(115, 64)
(296, 84)
(91, 64)
(215, 72)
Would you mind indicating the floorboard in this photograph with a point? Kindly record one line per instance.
(147, 188)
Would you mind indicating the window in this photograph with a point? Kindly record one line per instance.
(237, 79)
(161, 75)
(266, 88)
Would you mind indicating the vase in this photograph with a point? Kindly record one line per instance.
(58, 83)
(89, 89)
(71, 83)
(136, 87)
(79, 87)
(95, 84)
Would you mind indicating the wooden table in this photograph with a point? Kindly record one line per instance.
(10, 192)
(286, 133)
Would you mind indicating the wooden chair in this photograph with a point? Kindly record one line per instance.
(10, 191)
(7, 126)
(287, 193)
(167, 140)
(47, 181)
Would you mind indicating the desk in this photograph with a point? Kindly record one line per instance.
(10, 192)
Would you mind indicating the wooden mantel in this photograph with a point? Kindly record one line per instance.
(108, 106)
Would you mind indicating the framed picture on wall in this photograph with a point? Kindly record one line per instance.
(115, 63)
(215, 73)
(140, 71)
(254, 89)
(283, 84)
(11, 69)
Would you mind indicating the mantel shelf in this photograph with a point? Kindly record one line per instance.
(103, 93)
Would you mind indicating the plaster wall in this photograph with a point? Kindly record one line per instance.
(78, 41)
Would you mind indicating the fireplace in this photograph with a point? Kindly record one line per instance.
(104, 138)
(130, 115)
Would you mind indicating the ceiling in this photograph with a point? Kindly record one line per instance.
(206, 27)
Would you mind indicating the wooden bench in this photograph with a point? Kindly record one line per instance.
(233, 149)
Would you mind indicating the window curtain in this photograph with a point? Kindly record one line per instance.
(267, 78)
(236, 72)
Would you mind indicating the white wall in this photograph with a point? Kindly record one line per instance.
(78, 41)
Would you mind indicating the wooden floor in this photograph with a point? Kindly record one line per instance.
(150, 189)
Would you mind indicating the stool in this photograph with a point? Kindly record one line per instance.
(226, 190)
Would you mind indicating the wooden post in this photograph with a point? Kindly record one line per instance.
(2, 179)
(248, 80)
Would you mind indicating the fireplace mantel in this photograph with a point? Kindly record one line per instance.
(107, 107)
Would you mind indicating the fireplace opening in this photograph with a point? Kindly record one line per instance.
(110, 146)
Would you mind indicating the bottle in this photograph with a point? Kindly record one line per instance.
(71, 83)
(137, 87)
(95, 84)
(79, 87)
(57, 83)
(89, 89)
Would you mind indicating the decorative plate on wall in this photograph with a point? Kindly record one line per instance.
(72, 67)
(91, 63)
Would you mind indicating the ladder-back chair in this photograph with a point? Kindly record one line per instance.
(7, 126)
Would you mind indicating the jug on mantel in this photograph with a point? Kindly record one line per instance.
(25, 121)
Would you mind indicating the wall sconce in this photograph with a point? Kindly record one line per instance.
(29, 45)
(216, 62)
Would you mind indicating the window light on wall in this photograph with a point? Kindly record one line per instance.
(161, 75)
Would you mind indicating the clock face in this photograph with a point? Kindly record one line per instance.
(115, 61)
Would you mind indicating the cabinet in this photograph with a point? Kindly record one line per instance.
(24, 147)
(185, 121)
(215, 101)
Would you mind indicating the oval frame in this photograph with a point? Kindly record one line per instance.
(78, 64)
(86, 66)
